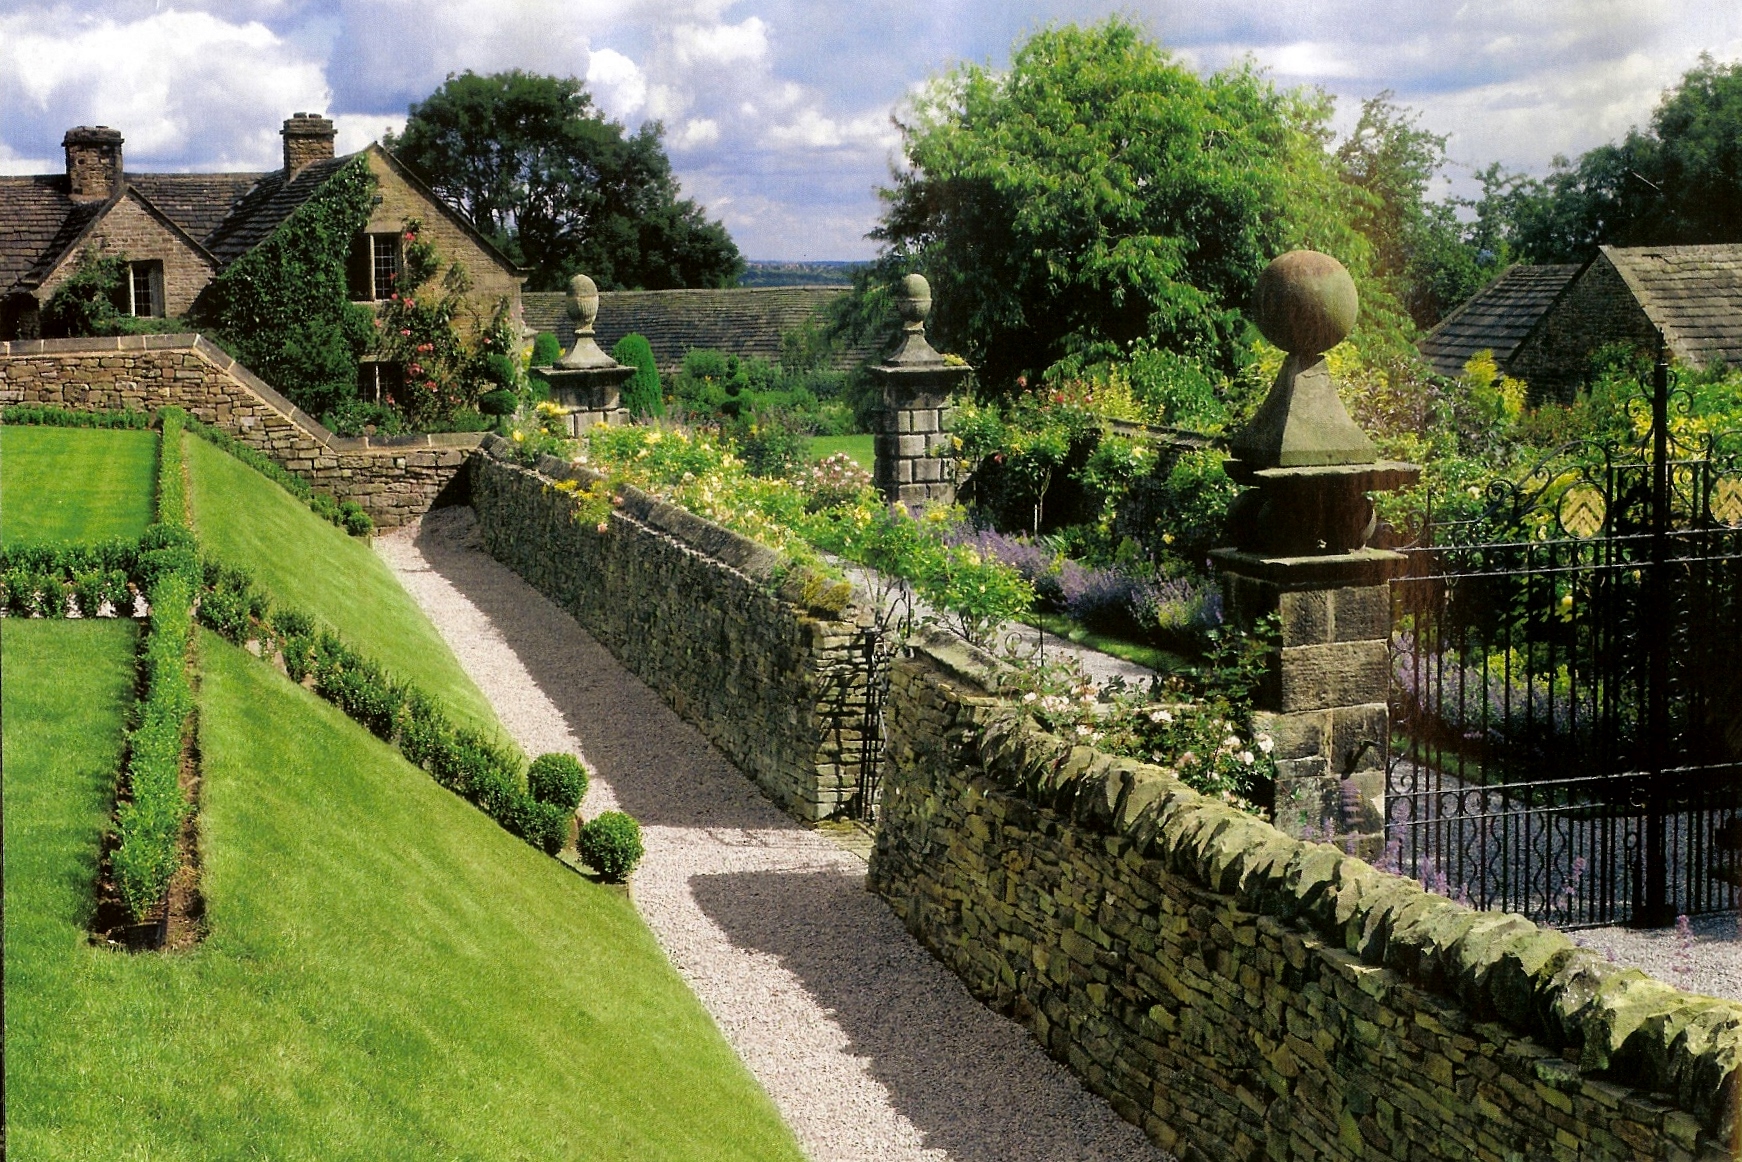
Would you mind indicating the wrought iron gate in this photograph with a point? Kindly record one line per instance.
(873, 672)
(1566, 706)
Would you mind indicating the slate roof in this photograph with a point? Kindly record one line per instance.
(1496, 318)
(197, 202)
(268, 203)
(743, 321)
(32, 212)
(1694, 293)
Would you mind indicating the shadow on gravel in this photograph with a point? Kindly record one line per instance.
(662, 769)
(943, 1057)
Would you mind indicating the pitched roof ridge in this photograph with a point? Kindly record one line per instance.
(156, 211)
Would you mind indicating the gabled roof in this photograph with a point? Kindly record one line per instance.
(33, 213)
(441, 204)
(743, 321)
(197, 202)
(1694, 293)
(272, 199)
(1496, 318)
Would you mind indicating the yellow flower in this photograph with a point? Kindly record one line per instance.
(519, 437)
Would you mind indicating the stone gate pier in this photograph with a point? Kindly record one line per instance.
(1299, 554)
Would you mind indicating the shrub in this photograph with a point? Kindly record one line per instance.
(772, 443)
(544, 825)
(498, 403)
(834, 480)
(546, 349)
(51, 596)
(89, 589)
(610, 844)
(354, 520)
(167, 550)
(642, 394)
(558, 779)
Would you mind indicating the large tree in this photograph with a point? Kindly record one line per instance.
(1097, 193)
(1679, 180)
(560, 187)
(1429, 258)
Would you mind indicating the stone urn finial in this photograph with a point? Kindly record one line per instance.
(1305, 303)
(913, 304)
(584, 309)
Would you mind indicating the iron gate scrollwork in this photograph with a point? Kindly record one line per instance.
(1566, 704)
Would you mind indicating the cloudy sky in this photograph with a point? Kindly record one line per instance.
(777, 111)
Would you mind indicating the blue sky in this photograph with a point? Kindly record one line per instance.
(777, 112)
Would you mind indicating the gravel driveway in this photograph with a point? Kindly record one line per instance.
(869, 1047)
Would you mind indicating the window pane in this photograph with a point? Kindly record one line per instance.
(143, 306)
(386, 263)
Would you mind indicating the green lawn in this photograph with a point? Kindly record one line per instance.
(388, 973)
(245, 519)
(859, 448)
(75, 484)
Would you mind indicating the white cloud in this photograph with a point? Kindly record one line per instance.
(721, 44)
(812, 130)
(701, 131)
(356, 130)
(616, 82)
(181, 86)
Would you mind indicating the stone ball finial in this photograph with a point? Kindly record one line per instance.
(1305, 302)
(583, 302)
(914, 299)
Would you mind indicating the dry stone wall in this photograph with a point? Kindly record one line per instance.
(761, 656)
(396, 480)
(1243, 995)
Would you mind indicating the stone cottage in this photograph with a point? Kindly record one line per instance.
(178, 230)
(1543, 323)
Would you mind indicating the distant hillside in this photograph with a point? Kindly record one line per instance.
(799, 274)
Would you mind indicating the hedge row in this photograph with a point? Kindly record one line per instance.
(36, 580)
(148, 824)
(464, 760)
(347, 514)
(52, 417)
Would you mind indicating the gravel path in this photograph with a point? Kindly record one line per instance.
(1708, 960)
(869, 1047)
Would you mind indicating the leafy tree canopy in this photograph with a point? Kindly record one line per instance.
(1677, 181)
(1430, 259)
(1097, 193)
(561, 188)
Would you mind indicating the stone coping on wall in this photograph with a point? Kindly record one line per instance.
(1617, 1025)
(822, 597)
(221, 359)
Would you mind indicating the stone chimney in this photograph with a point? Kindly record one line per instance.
(307, 137)
(93, 162)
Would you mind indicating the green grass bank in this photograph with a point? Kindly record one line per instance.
(74, 484)
(388, 974)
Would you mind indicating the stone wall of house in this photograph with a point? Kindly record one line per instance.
(764, 657)
(131, 231)
(1243, 995)
(400, 201)
(395, 479)
(1598, 308)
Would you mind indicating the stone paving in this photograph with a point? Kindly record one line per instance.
(870, 1048)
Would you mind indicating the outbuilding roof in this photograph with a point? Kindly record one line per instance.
(1693, 293)
(1496, 318)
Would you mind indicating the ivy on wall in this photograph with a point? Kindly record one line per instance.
(283, 309)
